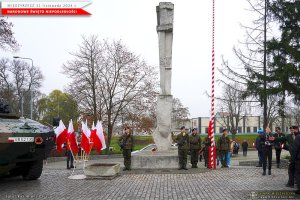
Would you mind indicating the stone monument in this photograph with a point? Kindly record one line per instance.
(164, 156)
(162, 133)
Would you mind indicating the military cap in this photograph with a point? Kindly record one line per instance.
(294, 127)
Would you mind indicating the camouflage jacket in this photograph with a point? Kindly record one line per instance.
(182, 141)
(195, 142)
(126, 141)
(207, 142)
(223, 143)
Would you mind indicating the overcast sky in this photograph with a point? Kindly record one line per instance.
(48, 40)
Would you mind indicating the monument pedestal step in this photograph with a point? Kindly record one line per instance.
(155, 160)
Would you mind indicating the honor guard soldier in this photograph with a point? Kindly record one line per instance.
(195, 146)
(183, 146)
(126, 144)
(207, 144)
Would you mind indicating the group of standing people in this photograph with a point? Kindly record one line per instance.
(192, 143)
(291, 142)
(187, 143)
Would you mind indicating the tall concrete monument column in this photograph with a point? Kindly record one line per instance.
(162, 134)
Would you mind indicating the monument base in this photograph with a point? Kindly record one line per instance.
(155, 160)
(102, 170)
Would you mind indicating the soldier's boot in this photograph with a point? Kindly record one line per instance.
(264, 173)
(68, 166)
(269, 172)
(290, 184)
(184, 166)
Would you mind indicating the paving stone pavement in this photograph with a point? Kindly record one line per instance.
(237, 182)
(232, 183)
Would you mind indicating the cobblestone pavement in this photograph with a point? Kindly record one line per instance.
(237, 182)
(232, 183)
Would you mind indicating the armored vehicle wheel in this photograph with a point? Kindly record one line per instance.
(33, 171)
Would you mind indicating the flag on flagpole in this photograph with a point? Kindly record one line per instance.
(100, 134)
(72, 139)
(85, 138)
(61, 135)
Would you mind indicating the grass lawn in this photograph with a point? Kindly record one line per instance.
(239, 138)
(139, 143)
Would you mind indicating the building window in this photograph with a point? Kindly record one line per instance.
(255, 129)
(248, 129)
(239, 129)
(206, 130)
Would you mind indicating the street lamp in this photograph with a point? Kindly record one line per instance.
(31, 103)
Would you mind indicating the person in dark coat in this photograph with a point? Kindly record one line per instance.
(245, 147)
(295, 160)
(223, 147)
(290, 140)
(258, 147)
(278, 145)
(266, 144)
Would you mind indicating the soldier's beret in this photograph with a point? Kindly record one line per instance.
(183, 127)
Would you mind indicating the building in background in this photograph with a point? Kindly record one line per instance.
(246, 124)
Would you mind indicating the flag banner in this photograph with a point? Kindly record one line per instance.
(85, 138)
(21, 8)
(61, 135)
(72, 139)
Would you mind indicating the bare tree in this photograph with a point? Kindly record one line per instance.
(180, 114)
(20, 83)
(252, 68)
(84, 70)
(124, 78)
(7, 39)
(108, 80)
(232, 108)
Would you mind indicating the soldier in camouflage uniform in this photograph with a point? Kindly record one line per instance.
(207, 144)
(224, 147)
(183, 146)
(195, 146)
(126, 144)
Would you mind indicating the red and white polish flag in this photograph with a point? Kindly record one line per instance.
(72, 139)
(100, 134)
(61, 135)
(85, 138)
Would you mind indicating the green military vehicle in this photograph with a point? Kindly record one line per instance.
(24, 144)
